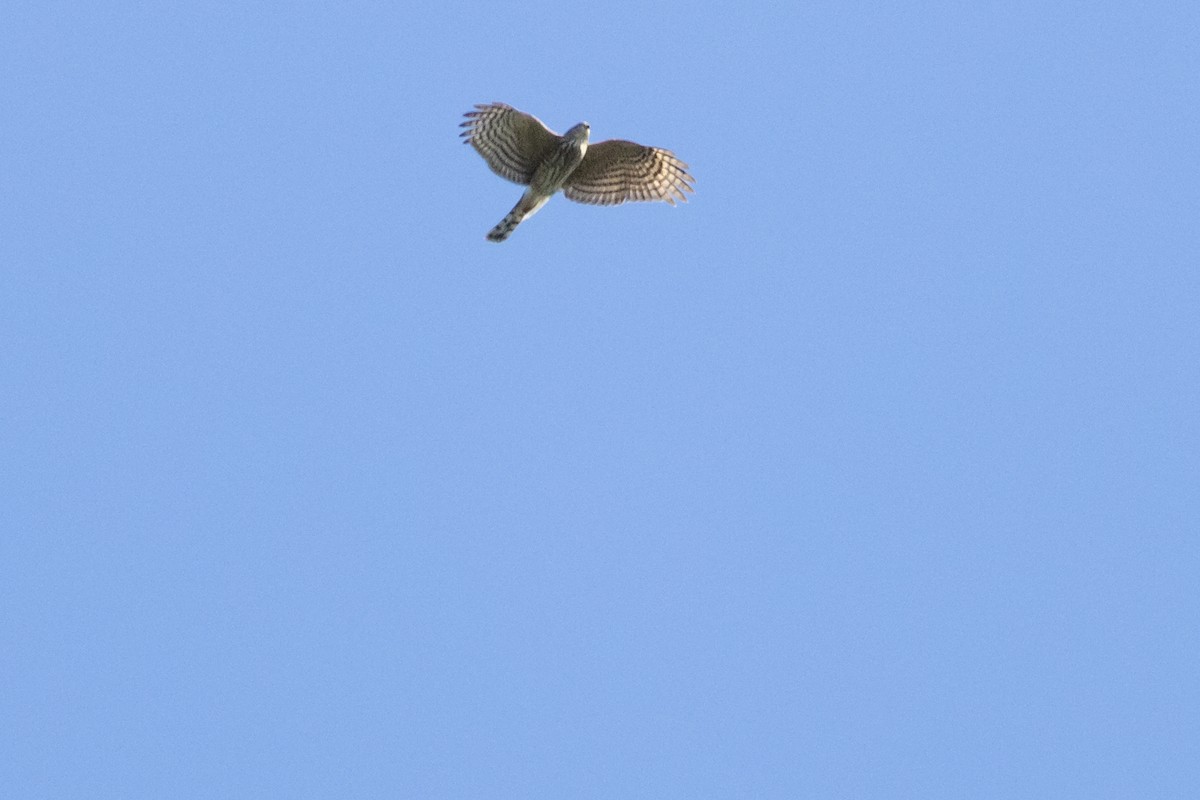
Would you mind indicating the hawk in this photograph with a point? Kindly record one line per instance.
(517, 146)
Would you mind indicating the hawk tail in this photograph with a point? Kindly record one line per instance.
(527, 206)
(507, 225)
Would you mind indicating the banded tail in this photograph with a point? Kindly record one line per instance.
(527, 206)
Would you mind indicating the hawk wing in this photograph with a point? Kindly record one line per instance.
(615, 171)
(512, 142)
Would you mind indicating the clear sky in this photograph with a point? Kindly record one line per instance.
(874, 471)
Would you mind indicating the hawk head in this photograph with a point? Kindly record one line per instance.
(578, 135)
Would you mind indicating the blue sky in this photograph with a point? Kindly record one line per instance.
(871, 472)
